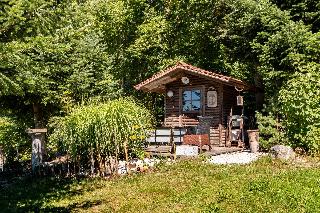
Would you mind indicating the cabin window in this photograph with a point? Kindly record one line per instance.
(191, 100)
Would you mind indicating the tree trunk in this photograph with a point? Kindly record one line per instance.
(37, 116)
(39, 124)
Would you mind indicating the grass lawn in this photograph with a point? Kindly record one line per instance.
(187, 186)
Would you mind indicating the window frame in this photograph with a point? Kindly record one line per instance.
(200, 100)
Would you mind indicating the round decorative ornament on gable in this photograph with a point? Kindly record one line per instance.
(170, 94)
(185, 80)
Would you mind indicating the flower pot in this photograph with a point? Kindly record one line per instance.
(253, 140)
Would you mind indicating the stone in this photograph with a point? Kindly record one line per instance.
(282, 152)
(140, 165)
(122, 170)
(132, 166)
(149, 162)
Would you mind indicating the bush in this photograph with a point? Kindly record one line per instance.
(271, 131)
(312, 140)
(14, 141)
(103, 130)
(300, 101)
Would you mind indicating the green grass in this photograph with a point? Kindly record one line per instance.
(187, 186)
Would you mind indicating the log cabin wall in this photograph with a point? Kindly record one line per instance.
(173, 104)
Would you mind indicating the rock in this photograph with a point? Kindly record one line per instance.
(132, 166)
(122, 170)
(149, 162)
(282, 152)
(136, 165)
(140, 165)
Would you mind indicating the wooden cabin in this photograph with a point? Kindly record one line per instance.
(200, 99)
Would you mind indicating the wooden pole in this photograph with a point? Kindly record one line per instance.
(220, 135)
(126, 156)
(126, 151)
(200, 143)
(92, 161)
(172, 143)
(229, 129)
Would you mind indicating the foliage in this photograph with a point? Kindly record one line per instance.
(103, 130)
(300, 99)
(187, 186)
(271, 131)
(56, 54)
(14, 141)
(7, 86)
(306, 10)
(64, 56)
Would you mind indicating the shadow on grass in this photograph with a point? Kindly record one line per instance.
(35, 194)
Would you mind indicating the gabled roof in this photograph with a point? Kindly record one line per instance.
(157, 82)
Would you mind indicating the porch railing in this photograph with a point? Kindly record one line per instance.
(180, 121)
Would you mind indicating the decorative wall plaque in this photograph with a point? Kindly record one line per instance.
(212, 98)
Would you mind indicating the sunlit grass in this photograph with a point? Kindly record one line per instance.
(187, 186)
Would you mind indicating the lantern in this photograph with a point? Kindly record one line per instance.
(170, 93)
(240, 100)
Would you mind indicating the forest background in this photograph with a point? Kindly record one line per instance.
(57, 54)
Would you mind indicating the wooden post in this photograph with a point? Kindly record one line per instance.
(220, 135)
(126, 156)
(241, 143)
(126, 151)
(92, 161)
(228, 143)
(200, 143)
(220, 97)
(173, 148)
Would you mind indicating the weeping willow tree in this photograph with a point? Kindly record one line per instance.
(95, 133)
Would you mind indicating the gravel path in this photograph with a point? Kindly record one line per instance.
(235, 158)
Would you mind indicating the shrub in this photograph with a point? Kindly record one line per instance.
(14, 141)
(96, 132)
(300, 101)
(312, 140)
(271, 131)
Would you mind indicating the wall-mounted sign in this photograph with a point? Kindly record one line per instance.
(212, 98)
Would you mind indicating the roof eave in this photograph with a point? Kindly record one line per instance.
(188, 68)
